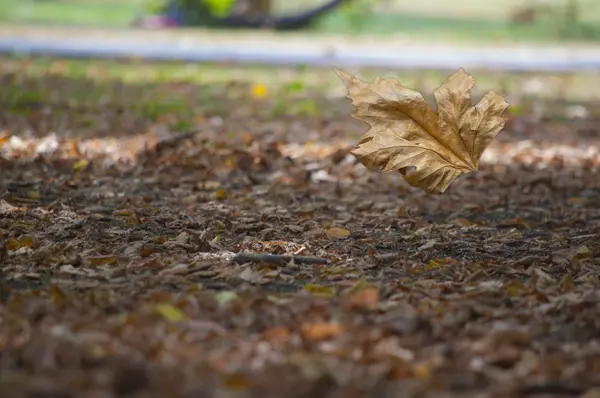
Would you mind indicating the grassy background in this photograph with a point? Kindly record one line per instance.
(430, 19)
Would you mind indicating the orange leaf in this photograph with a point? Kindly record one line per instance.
(278, 335)
(322, 331)
(4, 137)
(367, 299)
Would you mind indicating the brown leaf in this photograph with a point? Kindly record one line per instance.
(405, 132)
(335, 232)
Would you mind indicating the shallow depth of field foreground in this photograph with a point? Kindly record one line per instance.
(129, 190)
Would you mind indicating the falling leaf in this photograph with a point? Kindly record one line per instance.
(171, 313)
(404, 131)
(335, 232)
(322, 331)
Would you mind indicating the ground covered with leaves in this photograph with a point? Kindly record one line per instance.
(128, 192)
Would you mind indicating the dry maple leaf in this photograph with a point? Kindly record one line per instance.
(406, 132)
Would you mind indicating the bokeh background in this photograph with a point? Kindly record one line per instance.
(471, 20)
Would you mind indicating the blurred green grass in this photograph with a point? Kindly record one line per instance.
(181, 92)
(104, 13)
(469, 20)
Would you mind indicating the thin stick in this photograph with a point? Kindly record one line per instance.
(276, 259)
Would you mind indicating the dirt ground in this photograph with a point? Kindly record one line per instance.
(119, 235)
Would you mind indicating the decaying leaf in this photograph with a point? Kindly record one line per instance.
(405, 132)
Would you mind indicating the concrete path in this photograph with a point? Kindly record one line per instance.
(293, 49)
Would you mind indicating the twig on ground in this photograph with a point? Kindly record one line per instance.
(276, 259)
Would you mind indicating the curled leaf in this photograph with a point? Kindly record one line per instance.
(405, 132)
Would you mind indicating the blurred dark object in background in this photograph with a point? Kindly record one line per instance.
(232, 14)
